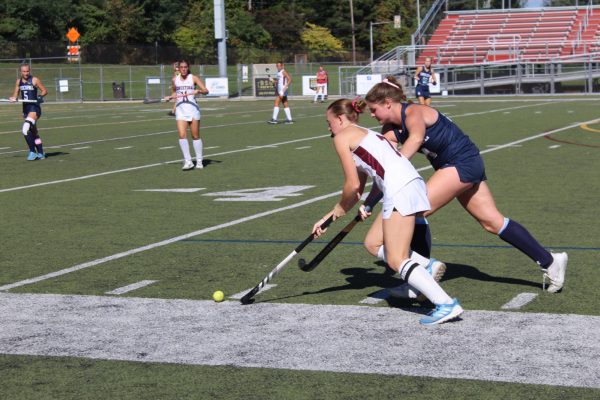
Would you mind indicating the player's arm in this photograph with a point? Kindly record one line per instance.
(289, 80)
(13, 98)
(417, 72)
(201, 87)
(415, 124)
(353, 183)
(173, 91)
(38, 84)
(433, 77)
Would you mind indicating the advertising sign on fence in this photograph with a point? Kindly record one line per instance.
(217, 87)
(264, 87)
(365, 82)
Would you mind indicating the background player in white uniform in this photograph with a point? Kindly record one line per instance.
(283, 83)
(187, 113)
(363, 153)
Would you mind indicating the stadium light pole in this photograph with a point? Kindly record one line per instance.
(396, 23)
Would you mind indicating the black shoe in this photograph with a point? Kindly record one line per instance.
(171, 114)
(288, 122)
(273, 121)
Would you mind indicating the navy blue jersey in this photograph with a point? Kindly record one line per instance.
(444, 143)
(424, 76)
(28, 90)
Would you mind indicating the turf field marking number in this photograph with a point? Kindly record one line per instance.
(276, 193)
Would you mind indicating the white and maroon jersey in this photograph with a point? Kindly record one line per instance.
(380, 159)
(185, 87)
(281, 81)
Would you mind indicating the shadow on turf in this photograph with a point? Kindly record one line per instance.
(361, 278)
(207, 161)
(48, 155)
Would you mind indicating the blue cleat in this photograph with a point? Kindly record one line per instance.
(41, 156)
(443, 313)
(32, 156)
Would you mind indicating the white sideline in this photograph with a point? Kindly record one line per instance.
(519, 301)
(132, 287)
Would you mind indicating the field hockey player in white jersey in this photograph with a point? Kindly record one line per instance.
(365, 153)
(187, 113)
(282, 84)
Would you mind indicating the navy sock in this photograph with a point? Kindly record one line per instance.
(421, 240)
(515, 234)
(30, 142)
(38, 145)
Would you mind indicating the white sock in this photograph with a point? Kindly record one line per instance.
(185, 149)
(288, 113)
(381, 254)
(275, 112)
(316, 96)
(198, 149)
(423, 282)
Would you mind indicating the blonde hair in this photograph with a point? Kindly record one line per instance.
(389, 88)
(350, 108)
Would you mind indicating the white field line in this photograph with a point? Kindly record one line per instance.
(152, 165)
(241, 294)
(132, 287)
(556, 146)
(166, 147)
(519, 301)
(184, 190)
(80, 148)
(376, 297)
(124, 148)
(225, 225)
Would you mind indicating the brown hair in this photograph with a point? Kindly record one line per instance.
(389, 88)
(350, 108)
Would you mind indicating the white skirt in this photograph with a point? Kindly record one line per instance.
(410, 199)
(187, 112)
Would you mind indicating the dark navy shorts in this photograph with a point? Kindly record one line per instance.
(30, 107)
(422, 91)
(470, 170)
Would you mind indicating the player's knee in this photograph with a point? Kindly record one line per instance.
(371, 246)
(491, 226)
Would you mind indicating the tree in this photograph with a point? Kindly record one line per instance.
(320, 42)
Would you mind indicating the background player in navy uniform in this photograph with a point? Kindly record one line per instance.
(282, 85)
(459, 173)
(29, 86)
(423, 75)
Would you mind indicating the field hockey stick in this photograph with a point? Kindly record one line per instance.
(248, 296)
(18, 101)
(163, 100)
(336, 240)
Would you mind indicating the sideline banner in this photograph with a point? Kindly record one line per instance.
(364, 83)
(309, 85)
(217, 87)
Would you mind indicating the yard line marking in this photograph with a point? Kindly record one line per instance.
(519, 301)
(164, 242)
(123, 148)
(81, 148)
(132, 287)
(151, 165)
(556, 146)
(376, 297)
(496, 145)
(303, 147)
(188, 190)
(166, 147)
(239, 295)
(4, 148)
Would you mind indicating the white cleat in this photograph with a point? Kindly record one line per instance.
(199, 164)
(187, 165)
(556, 272)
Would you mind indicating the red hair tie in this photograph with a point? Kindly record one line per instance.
(355, 106)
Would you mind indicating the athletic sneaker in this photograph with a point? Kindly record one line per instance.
(288, 122)
(41, 156)
(187, 165)
(442, 313)
(199, 164)
(405, 291)
(32, 156)
(273, 121)
(556, 272)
